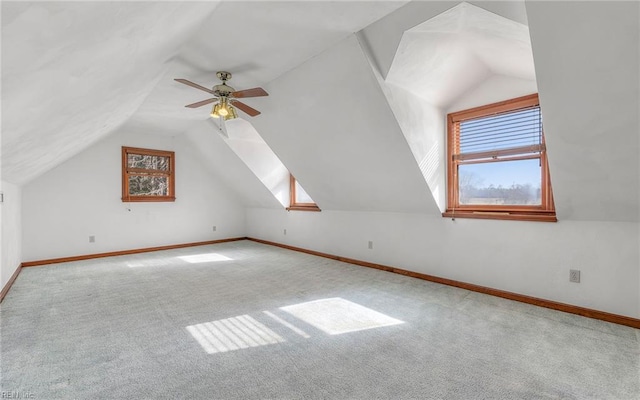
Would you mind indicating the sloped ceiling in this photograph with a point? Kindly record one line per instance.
(587, 65)
(446, 56)
(74, 72)
(330, 124)
(222, 161)
(387, 32)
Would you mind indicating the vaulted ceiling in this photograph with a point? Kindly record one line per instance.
(74, 73)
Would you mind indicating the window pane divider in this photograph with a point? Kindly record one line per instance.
(148, 171)
(538, 148)
(499, 159)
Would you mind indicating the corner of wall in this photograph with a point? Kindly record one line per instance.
(11, 232)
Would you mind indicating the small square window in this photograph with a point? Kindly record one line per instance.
(147, 175)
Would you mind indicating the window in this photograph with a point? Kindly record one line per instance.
(497, 163)
(148, 175)
(299, 199)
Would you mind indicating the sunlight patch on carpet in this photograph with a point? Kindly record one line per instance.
(149, 262)
(288, 325)
(206, 257)
(232, 334)
(336, 316)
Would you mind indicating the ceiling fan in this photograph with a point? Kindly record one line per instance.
(226, 98)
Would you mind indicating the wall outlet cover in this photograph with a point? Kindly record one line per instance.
(574, 275)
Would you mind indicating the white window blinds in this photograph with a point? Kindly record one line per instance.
(499, 136)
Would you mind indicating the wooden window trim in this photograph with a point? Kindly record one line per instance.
(126, 172)
(545, 212)
(293, 205)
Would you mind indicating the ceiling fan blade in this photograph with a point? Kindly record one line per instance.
(243, 107)
(253, 92)
(195, 85)
(202, 103)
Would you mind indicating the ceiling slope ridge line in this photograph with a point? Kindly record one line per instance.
(167, 67)
(366, 50)
(418, 95)
(178, 53)
(312, 57)
(124, 122)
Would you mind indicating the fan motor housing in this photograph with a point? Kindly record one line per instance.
(223, 90)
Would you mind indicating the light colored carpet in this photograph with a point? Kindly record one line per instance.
(243, 320)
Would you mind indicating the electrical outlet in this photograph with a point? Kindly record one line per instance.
(285, 231)
(370, 244)
(574, 275)
(214, 228)
(92, 239)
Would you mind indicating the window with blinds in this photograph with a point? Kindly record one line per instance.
(497, 164)
(503, 135)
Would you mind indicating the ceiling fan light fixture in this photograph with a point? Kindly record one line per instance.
(232, 113)
(223, 109)
(214, 111)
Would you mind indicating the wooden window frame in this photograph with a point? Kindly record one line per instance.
(544, 212)
(295, 206)
(126, 172)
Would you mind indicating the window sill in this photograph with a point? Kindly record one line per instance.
(149, 199)
(538, 216)
(303, 208)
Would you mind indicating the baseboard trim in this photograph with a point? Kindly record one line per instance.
(554, 305)
(6, 287)
(125, 252)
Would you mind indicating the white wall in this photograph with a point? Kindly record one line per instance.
(11, 254)
(531, 258)
(82, 197)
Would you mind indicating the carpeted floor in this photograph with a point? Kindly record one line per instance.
(243, 320)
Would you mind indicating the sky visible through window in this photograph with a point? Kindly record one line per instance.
(505, 173)
(503, 131)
